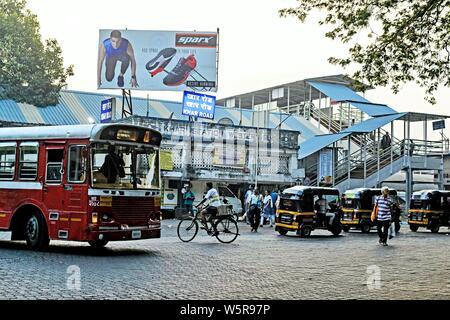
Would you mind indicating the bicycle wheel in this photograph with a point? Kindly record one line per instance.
(187, 229)
(226, 229)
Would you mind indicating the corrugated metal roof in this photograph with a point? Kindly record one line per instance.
(75, 107)
(10, 111)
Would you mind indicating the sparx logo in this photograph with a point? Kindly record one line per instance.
(195, 40)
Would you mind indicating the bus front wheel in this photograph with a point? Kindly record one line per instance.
(98, 243)
(36, 233)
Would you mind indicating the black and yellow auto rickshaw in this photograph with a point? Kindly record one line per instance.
(429, 209)
(303, 209)
(357, 206)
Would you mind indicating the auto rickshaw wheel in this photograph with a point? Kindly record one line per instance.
(434, 227)
(336, 229)
(305, 232)
(346, 228)
(283, 232)
(365, 227)
(413, 228)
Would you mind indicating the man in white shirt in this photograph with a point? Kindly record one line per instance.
(213, 198)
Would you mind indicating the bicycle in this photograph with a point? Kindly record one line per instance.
(223, 227)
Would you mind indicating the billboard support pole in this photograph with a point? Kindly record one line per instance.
(126, 98)
(217, 60)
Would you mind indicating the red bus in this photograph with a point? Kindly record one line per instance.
(94, 183)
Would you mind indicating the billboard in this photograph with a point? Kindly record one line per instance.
(198, 105)
(157, 60)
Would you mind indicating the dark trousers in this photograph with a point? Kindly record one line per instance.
(383, 229)
(111, 62)
(254, 216)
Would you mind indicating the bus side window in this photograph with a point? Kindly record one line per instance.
(54, 165)
(77, 164)
(7, 160)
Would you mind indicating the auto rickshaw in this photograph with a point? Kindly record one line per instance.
(357, 206)
(429, 209)
(303, 209)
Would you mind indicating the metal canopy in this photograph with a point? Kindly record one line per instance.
(373, 123)
(316, 143)
(417, 116)
(338, 92)
(373, 109)
(298, 92)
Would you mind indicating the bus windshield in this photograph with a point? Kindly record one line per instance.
(124, 166)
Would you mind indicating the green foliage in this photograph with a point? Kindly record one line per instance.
(410, 43)
(30, 71)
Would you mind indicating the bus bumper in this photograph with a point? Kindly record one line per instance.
(124, 235)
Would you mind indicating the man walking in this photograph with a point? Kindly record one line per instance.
(384, 204)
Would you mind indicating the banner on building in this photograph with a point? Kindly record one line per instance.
(166, 160)
(326, 166)
(157, 60)
(232, 156)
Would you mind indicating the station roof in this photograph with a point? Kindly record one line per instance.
(418, 116)
(77, 107)
(298, 91)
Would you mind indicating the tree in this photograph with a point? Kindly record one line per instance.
(406, 40)
(30, 71)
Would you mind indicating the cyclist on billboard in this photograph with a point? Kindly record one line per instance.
(114, 49)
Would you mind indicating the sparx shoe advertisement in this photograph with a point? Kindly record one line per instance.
(157, 60)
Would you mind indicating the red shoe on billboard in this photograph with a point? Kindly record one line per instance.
(181, 72)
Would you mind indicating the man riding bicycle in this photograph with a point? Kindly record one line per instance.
(213, 198)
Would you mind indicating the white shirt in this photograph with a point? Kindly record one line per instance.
(214, 198)
(248, 196)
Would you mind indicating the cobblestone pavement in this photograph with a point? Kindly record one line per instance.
(261, 265)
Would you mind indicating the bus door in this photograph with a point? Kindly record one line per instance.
(76, 189)
(54, 193)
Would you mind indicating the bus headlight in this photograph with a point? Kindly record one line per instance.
(94, 217)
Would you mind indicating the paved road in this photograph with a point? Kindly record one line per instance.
(256, 266)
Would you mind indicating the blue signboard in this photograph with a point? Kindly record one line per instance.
(198, 105)
(108, 110)
(438, 125)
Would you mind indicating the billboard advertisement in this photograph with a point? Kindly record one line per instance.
(198, 105)
(157, 60)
